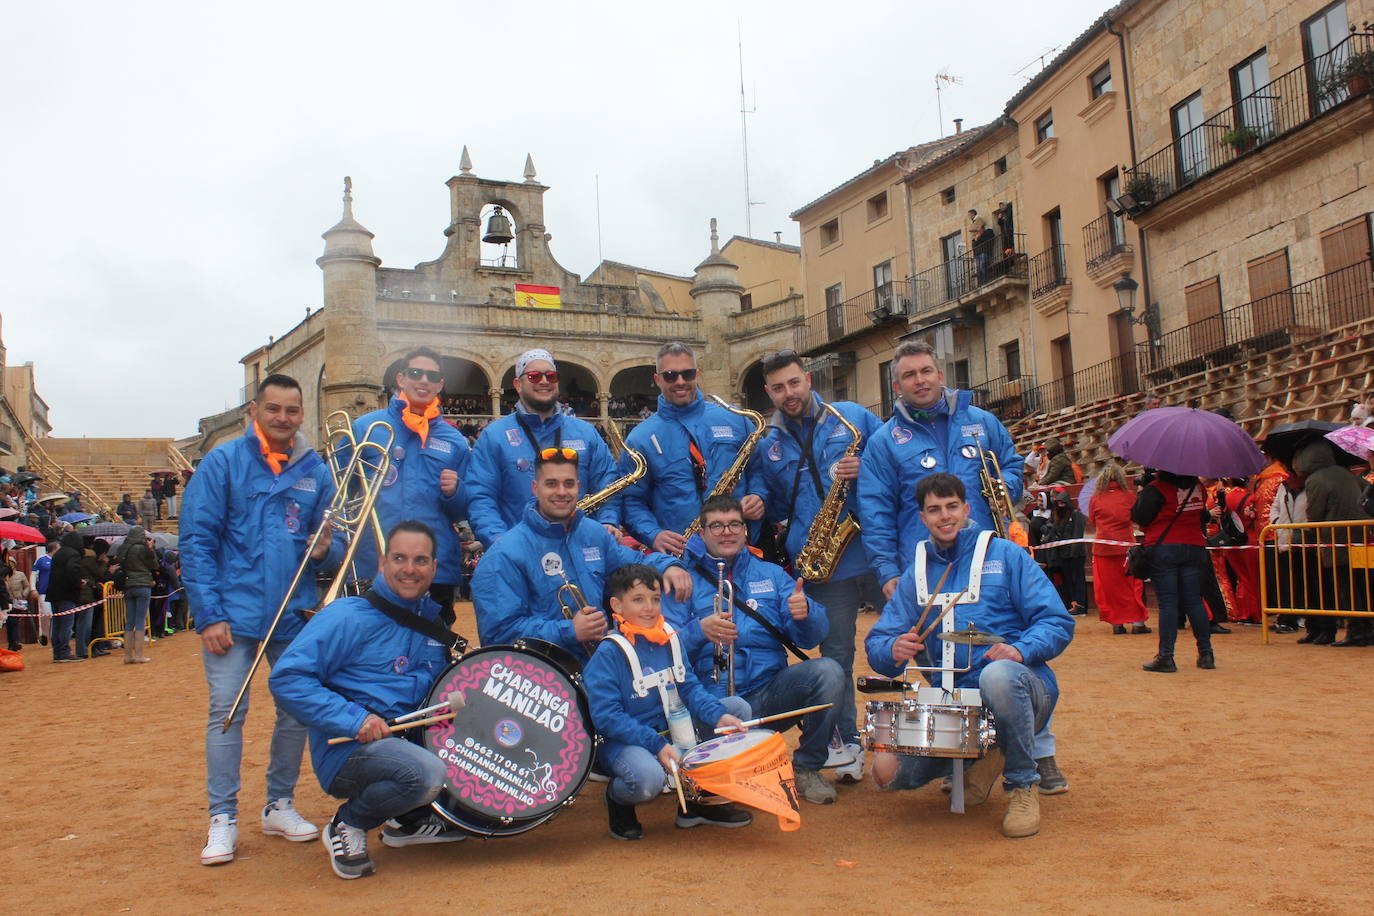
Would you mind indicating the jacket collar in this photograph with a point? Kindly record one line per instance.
(964, 542)
(674, 412)
(778, 421)
(530, 416)
(423, 606)
(299, 448)
(542, 526)
(695, 552)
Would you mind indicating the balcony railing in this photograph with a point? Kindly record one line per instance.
(1274, 110)
(890, 300)
(1005, 396)
(1049, 269)
(1104, 237)
(949, 282)
(1329, 301)
(1110, 378)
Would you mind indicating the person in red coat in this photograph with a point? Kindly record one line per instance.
(1119, 597)
(1240, 503)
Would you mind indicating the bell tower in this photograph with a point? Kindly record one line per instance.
(351, 344)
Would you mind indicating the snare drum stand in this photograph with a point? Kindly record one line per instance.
(948, 671)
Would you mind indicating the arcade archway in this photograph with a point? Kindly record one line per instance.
(465, 385)
(752, 394)
(632, 391)
(577, 388)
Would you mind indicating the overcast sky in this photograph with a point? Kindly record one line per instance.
(168, 166)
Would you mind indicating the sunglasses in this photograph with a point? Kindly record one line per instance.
(534, 375)
(567, 453)
(671, 375)
(415, 374)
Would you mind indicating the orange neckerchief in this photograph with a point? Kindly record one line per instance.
(275, 460)
(418, 423)
(655, 634)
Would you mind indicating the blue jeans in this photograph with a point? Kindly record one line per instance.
(1021, 704)
(808, 683)
(224, 750)
(62, 629)
(842, 600)
(385, 778)
(136, 598)
(1176, 571)
(637, 776)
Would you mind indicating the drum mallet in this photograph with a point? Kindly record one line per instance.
(750, 723)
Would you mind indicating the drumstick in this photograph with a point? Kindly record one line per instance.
(936, 622)
(677, 781)
(421, 713)
(931, 603)
(750, 723)
(400, 727)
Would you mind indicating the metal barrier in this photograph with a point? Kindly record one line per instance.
(114, 610)
(1316, 568)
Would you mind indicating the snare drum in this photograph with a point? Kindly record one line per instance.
(718, 754)
(935, 723)
(521, 747)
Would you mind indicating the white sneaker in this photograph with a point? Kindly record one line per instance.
(281, 819)
(839, 755)
(224, 837)
(853, 772)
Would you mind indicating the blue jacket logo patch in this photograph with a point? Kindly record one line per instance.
(900, 434)
(591, 554)
(439, 445)
(722, 432)
(305, 483)
(577, 445)
(514, 438)
(761, 588)
(775, 452)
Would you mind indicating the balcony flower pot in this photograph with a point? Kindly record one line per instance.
(1143, 187)
(1352, 76)
(1242, 139)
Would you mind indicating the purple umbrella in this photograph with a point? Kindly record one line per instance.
(1085, 495)
(1188, 441)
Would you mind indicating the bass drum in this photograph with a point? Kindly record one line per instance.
(521, 747)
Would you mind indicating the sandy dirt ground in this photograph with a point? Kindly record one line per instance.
(1244, 788)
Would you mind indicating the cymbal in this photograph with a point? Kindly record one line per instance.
(972, 636)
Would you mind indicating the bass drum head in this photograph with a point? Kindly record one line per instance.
(554, 653)
(520, 748)
(724, 747)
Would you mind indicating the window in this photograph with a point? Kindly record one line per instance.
(1202, 301)
(1322, 34)
(885, 386)
(1111, 190)
(1271, 296)
(961, 377)
(830, 232)
(746, 302)
(1101, 81)
(1190, 144)
(1255, 112)
(1348, 293)
(1000, 166)
(1044, 127)
(877, 207)
(1011, 358)
(834, 311)
(947, 195)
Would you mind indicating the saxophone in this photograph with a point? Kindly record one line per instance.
(733, 474)
(618, 447)
(829, 534)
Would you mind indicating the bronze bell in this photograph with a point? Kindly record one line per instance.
(498, 229)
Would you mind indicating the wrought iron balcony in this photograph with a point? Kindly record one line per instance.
(1005, 396)
(1049, 269)
(1108, 379)
(1103, 238)
(889, 301)
(959, 280)
(1271, 112)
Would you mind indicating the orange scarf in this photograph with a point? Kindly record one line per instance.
(655, 634)
(275, 460)
(418, 423)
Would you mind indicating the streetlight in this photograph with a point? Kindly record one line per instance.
(1125, 295)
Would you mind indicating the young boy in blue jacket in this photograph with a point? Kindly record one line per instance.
(641, 687)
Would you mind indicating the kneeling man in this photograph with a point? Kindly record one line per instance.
(997, 587)
(350, 669)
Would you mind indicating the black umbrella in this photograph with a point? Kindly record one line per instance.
(103, 530)
(25, 477)
(1284, 440)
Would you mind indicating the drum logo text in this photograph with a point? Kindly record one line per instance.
(540, 704)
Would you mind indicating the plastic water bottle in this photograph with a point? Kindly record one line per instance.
(681, 732)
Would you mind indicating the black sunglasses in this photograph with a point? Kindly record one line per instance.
(415, 373)
(671, 375)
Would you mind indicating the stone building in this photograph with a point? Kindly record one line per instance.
(740, 303)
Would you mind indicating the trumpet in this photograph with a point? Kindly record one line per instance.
(723, 604)
(994, 489)
(571, 601)
(347, 513)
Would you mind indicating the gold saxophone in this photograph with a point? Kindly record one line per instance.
(829, 533)
(731, 478)
(618, 447)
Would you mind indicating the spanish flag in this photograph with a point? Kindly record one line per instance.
(537, 297)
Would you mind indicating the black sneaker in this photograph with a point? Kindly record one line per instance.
(420, 828)
(347, 848)
(624, 824)
(1077, 610)
(1140, 628)
(1206, 660)
(1218, 628)
(727, 816)
(1118, 629)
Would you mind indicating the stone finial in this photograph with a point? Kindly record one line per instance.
(715, 237)
(348, 197)
(529, 169)
(465, 162)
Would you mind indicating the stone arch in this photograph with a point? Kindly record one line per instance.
(633, 388)
(492, 255)
(750, 391)
(578, 386)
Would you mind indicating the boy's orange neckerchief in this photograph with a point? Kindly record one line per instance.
(655, 634)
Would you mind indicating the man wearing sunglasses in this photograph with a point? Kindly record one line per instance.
(801, 457)
(688, 444)
(428, 458)
(501, 471)
(515, 588)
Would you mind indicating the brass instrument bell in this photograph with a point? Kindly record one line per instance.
(498, 229)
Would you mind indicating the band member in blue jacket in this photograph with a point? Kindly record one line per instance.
(248, 517)
(688, 444)
(515, 588)
(349, 670)
(631, 686)
(502, 467)
(762, 676)
(998, 588)
(932, 430)
(799, 461)
(428, 459)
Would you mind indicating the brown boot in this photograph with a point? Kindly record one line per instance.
(128, 642)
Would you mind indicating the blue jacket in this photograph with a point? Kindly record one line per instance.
(758, 655)
(515, 587)
(351, 660)
(624, 719)
(777, 458)
(410, 491)
(892, 466)
(43, 567)
(666, 497)
(502, 469)
(1017, 601)
(244, 531)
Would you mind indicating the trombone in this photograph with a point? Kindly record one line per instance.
(994, 488)
(346, 513)
(340, 443)
(723, 604)
(571, 601)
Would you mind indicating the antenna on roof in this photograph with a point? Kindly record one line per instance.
(944, 77)
(1037, 60)
(744, 112)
